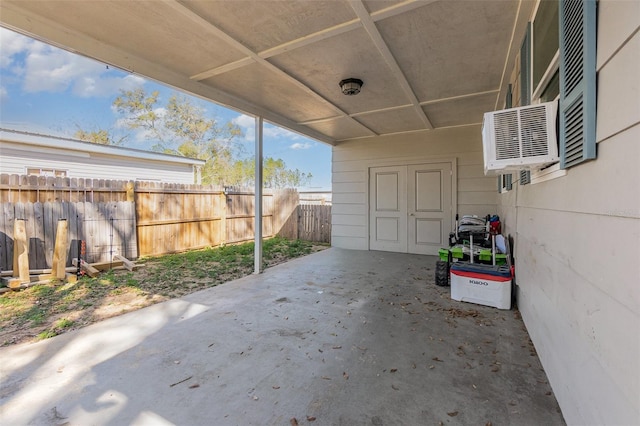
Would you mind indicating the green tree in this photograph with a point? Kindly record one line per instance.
(275, 174)
(139, 111)
(101, 137)
(182, 127)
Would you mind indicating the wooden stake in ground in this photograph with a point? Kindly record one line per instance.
(60, 250)
(20, 251)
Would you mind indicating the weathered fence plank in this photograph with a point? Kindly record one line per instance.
(21, 251)
(60, 250)
(9, 218)
(4, 252)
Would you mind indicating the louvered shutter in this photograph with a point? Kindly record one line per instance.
(577, 81)
(525, 68)
(525, 177)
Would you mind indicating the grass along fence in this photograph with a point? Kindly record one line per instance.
(141, 218)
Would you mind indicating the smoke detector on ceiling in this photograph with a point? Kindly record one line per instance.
(351, 86)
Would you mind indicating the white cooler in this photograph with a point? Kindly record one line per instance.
(487, 285)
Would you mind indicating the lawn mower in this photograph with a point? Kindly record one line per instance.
(474, 240)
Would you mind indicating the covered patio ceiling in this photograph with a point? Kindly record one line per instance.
(425, 64)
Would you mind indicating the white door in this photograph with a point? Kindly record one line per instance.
(429, 207)
(410, 207)
(388, 211)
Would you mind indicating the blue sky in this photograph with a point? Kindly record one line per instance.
(47, 90)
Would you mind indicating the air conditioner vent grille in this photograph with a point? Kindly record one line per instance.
(534, 131)
(506, 125)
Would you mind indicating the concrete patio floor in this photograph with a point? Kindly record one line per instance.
(339, 337)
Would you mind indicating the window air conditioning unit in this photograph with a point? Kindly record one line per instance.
(520, 138)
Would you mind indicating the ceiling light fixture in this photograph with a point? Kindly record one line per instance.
(351, 86)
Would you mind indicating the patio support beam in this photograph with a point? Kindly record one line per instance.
(258, 198)
(370, 26)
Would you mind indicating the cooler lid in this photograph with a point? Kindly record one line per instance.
(479, 268)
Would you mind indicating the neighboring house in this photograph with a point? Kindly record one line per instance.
(408, 150)
(25, 153)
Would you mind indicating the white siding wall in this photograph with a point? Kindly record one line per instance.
(351, 161)
(578, 247)
(15, 160)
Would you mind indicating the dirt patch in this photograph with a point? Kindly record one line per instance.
(51, 309)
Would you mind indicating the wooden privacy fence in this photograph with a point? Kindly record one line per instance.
(314, 223)
(99, 212)
(143, 218)
(106, 228)
(176, 217)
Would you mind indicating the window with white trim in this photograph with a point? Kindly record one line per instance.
(545, 72)
(46, 172)
(558, 63)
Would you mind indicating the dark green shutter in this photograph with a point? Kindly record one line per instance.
(508, 182)
(525, 86)
(525, 68)
(577, 81)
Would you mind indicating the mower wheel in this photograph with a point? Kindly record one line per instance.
(442, 273)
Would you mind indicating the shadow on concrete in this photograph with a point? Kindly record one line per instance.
(342, 337)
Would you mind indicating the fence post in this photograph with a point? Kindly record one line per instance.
(60, 250)
(20, 251)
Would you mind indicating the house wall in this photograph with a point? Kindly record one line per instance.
(577, 247)
(17, 158)
(476, 193)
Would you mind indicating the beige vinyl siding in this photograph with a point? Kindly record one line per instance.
(352, 160)
(15, 159)
(577, 247)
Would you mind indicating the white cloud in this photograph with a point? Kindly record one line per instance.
(44, 68)
(279, 133)
(12, 44)
(3, 93)
(244, 121)
(298, 145)
(247, 124)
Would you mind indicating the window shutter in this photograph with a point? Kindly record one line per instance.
(577, 81)
(508, 182)
(525, 68)
(525, 177)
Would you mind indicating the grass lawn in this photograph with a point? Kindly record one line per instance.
(47, 310)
